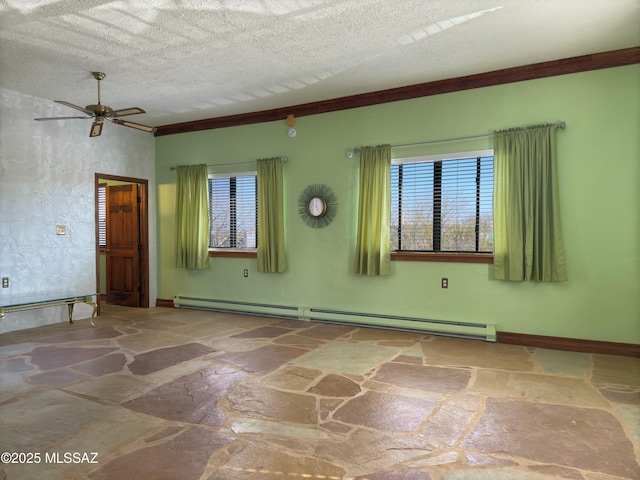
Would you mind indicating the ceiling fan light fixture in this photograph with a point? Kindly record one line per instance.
(96, 127)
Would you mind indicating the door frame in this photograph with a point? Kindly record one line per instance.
(143, 191)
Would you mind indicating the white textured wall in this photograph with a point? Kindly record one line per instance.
(46, 179)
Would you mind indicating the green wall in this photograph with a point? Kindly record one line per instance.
(599, 179)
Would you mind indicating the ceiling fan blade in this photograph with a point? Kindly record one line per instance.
(71, 105)
(127, 111)
(61, 118)
(127, 123)
(96, 129)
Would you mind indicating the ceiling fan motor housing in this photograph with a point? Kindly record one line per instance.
(99, 109)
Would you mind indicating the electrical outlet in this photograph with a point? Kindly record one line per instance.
(5, 282)
(445, 282)
(245, 272)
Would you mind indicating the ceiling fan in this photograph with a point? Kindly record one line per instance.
(100, 113)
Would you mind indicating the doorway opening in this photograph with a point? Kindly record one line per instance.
(122, 240)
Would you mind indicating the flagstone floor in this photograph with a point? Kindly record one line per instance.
(181, 394)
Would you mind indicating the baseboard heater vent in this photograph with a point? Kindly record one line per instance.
(237, 307)
(476, 331)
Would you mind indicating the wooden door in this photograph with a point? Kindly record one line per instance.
(123, 245)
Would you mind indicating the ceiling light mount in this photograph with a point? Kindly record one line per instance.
(291, 122)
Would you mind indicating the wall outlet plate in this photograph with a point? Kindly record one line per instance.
(61, 229)
(5, 282)
(445, 282)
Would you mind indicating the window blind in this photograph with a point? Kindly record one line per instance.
(443, 205)
(102, 215)
(233, 211)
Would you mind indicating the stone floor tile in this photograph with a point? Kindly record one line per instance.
(149, 362)
(99, 445)
(183, 457)
(389, 337)
(621, 394)
(258, 462)
(326, 331)
(150, 340)
(585, 438)
(40, 421)
(347, 357)
(263, 332)
(563, 363)
(179, 370)
(99, 333)
(192, 398)
(57, 378)
(292, 378)
(49, 358)
(457, 352)
(337, 427)
(608, 370)
(436, 379)
(479, 460)
(397, 475)
(367, 451)
(319, 399)
(11, 383)
(413, 359)
(494, 474)
(252, 425)
(290, 324)
(13, 350)
(296, 340)
(385, 412)
(14, 365)
(435, 460)
(113, 389)
(112, 363)
(336, 386)
(205, 329)
(452, 419)
(157, 323)
(264, 359)
(540, 388)
(271, 404)
(557, 472)
(630, 415)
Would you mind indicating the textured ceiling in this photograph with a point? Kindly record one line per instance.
(184, 60)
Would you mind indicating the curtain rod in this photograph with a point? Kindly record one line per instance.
(350, 153)
(284, 160)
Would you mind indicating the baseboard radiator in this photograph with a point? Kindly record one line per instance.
(237, 307)
(486, 332)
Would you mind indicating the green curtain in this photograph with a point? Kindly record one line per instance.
(374, 209)
(271, 252)
(527, 232)
(192, 217)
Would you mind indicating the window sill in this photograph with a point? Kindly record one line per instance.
(228, 253)
(442, 257)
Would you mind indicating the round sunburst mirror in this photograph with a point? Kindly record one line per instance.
(317, 206)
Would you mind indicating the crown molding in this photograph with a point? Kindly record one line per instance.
(584, 63)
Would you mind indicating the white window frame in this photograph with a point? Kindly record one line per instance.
(249, 173)
(445, 254)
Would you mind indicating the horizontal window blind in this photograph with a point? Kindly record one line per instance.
(233, 211)
(443, 205)
(102, 215)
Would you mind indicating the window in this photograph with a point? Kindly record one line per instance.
(233, 210)
(443, 203)
(102, 215)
